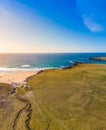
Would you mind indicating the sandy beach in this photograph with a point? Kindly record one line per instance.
(18, 77)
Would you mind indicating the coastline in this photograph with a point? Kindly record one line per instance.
(68, 89)
(20, 77)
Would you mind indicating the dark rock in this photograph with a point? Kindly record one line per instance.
(74, 64)
(98, 58)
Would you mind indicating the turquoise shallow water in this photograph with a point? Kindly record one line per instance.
(13, 62)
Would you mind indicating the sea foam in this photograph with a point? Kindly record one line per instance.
(25, 66)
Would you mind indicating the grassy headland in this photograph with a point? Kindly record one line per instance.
(98, 58)
(69, 99)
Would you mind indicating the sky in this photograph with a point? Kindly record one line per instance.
(55, 26)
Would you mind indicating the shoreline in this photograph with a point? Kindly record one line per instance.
(20, 77)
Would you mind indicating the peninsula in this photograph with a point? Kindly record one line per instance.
(98, 58)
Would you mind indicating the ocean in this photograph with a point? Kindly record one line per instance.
(27, 62)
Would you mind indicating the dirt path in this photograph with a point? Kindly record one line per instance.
(28, 109)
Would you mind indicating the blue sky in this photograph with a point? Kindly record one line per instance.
(52, 26)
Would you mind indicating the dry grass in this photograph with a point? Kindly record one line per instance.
(70, 99)
(9, 106)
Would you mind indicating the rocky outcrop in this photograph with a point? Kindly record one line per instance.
(98, 58)
(74, 64)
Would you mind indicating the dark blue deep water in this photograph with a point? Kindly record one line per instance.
(42, 61)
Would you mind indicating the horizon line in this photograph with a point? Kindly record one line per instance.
(46, 52)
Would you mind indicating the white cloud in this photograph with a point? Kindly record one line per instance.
(91, 24)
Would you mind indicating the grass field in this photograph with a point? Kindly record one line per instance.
(70, 99)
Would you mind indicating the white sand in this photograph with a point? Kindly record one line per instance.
(18, 77)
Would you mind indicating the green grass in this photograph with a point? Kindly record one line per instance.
(70, 99)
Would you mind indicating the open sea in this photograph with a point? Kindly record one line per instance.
(25, 62)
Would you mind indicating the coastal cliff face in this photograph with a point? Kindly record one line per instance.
(98, 58)
(57, 100)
